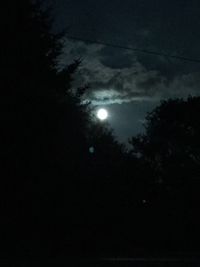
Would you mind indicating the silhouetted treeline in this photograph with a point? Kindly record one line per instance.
(169, 151)
(67, 185)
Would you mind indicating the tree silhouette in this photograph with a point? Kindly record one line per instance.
(169, 151)
(171, 143)
(53, 188)
(43, 128)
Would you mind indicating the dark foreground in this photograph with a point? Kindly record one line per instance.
(110, 262)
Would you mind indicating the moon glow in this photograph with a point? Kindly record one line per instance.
(102, 114)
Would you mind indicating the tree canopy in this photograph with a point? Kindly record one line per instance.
(47, 131)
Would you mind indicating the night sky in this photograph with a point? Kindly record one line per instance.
(127, 83)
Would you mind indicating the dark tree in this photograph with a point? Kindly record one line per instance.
(171, 143)
(53, 190)
(43, 131)
(170, 153)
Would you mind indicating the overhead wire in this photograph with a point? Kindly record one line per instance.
(144, 51)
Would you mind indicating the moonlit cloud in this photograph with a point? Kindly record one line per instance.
(132, 82)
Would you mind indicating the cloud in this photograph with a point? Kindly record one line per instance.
(117, 76)
(184, 85)
(116, 58)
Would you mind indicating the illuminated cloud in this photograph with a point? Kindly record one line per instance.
(111, 83)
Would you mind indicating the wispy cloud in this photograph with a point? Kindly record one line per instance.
(121, 78)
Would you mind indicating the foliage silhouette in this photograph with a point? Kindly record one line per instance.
(50, 179)
(170, 152)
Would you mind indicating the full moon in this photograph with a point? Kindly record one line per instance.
(102, 114)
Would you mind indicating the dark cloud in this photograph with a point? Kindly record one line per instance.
(115, 58)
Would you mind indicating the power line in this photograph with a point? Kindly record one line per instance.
(144, 51)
